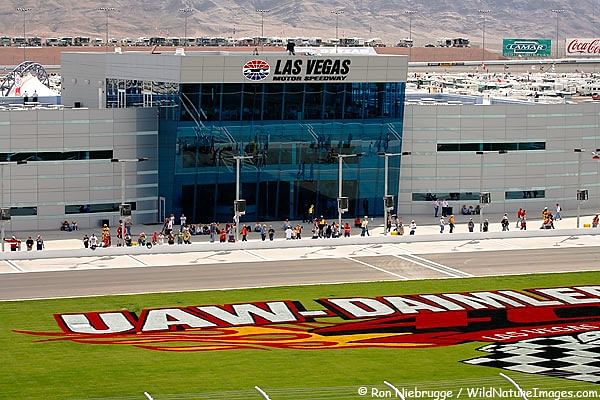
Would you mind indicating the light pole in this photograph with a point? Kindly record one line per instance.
(557, 12)
(483, 14)
(185, 11)
(340, 180)
(236, 216)
(24, 10)
(262, 13)
(410, 14)
(579, 152)
(107, 10)
(2, 164)
(337, 14)
(385, 184)
(481, 205)
(124, 161)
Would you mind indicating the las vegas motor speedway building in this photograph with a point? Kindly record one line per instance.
(190, 114)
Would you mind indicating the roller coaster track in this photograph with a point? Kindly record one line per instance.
(26, 67)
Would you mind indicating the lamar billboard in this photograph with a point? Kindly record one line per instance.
(526, 47)
(582, 47)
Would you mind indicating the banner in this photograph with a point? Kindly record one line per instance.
(582, 47)
(526, 47)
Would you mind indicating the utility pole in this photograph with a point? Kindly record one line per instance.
(337, 14)
(24, 10)
(262, 13)
(410, 14)
(185, 11)
(483, 14)
(557, 12)
(107, 10)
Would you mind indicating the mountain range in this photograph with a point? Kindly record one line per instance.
(386, 19)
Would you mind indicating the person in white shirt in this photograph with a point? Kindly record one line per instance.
(413, 227)
(558, 210)
(436, 207)
(93, 242)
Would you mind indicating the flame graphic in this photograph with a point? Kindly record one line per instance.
(297, 337)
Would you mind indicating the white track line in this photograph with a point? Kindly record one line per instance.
(14, 266)
(137, 260)
(253, 253)
(431, 267)
(376, 268)
(456, 271)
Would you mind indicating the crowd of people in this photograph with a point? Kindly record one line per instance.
(172, 234)
(15, 244)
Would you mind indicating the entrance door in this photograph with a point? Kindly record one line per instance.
(147, 99)
(121, 102)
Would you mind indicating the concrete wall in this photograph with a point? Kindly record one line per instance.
(50, 185)
(562, 127)
(84, 74)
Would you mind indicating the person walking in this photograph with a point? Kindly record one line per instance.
(519, 217)
(412, 227)
(471, 225)
(558, 211)
(347, 229)
(40, 243)
(244, 233)
(86, 241)
(504, 222)
(451, 222)
(442, 224)
(523, 224)
(271, 232)
(486, 225)
(263, 232)
(436, 208)
(595, 221)
(29, 243)
(364, 225)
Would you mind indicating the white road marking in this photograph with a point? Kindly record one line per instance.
(456, 271)
(14, 266)
(137, 260)
(377, 268)
(431, 267)
(252, 253)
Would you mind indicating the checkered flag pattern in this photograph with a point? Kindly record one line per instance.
(561, 356)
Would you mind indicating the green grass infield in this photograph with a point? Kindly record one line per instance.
(36, 368)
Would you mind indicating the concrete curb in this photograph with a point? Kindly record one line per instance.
(284, 244)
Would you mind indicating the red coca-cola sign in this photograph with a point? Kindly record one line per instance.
(582, 47)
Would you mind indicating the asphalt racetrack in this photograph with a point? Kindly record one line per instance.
(352, 268)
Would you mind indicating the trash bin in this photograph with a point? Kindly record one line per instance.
(104, 222)
(446, 211)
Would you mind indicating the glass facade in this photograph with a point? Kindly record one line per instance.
(294, 132)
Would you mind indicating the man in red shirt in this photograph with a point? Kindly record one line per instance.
(14, 243)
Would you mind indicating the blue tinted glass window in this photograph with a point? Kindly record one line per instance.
(273, 101)
(293, 101)
(252, 103)
(231, 107)
(313, 101)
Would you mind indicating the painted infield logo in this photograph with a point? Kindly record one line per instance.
(575, 357)
(554, 332)
(256, 70)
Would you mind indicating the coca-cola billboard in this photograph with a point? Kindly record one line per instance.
(582, 47)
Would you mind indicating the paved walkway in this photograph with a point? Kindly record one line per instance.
(426, 225)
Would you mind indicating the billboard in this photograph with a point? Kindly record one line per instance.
(582, 47)
(526, 47)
